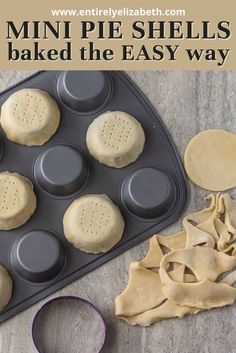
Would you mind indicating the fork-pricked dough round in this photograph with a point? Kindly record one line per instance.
(17, 200)
(210, 160)
(115, 139)
(93, 223)
(30, 117)
(5, 287)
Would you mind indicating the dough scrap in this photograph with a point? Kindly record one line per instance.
(92, 223)
(141, 280)
(202, 295)
(206, 264)
(212, 263)
(167, 310)
(30, 117)
(185, 268)
(115, 139)
(210, 160)
(5, 287)
(17, 200)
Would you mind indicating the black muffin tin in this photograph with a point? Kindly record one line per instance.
(151, 192)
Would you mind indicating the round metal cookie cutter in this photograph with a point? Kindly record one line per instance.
(71, 299)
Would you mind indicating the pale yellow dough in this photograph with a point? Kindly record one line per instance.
(93, 223)
(185, 280)
(210, 160)
(115, 139)
(206, 264)
(5, 288)
(30, 117)
(17, 200)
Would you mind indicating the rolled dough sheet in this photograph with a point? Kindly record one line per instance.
(93, 224)
(115, 139)
(210, 160)
(17, 200)
(30, 117)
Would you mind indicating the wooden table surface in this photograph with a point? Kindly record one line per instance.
(188, 103)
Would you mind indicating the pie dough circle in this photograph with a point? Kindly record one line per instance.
(30, 117)
(92, 223)
(115, 139)
(17, 200)
(5, 287)
(210, 160)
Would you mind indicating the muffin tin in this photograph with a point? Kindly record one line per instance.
(151, 192)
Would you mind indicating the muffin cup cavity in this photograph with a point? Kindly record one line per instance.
(148, 192)
(38, 256)
(84, 91)
(61, 170)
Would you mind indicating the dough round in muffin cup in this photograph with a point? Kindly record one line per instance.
(5, 287)
(30, 117)
(17, 200)
(115, 139)
(93, 223)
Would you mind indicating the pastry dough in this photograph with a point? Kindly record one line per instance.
(5, 287)
(185, 280)
(115, 139)
(93, 223)
(17, 200)
(141, 281)
(167, 310)
(210, 160)
(30, 117)
(206, 264)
